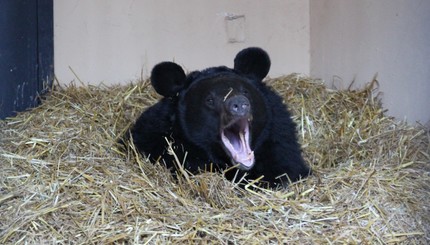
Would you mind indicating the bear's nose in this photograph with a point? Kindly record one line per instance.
(238, 105)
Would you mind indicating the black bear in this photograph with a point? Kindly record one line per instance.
(221, 117)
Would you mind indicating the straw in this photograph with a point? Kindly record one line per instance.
(65, 180)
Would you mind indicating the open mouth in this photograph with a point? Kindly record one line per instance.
(235, 138)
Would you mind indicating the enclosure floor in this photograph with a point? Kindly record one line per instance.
(64, 179)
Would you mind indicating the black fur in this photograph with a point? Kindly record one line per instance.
(192, 111)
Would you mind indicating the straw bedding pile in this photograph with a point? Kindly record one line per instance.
(64, 180)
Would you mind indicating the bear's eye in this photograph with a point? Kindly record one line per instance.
(210, 101)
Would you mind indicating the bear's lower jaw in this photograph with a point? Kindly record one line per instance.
(244, 164)
(236, 142)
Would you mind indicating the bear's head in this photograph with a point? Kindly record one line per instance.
(220, 110)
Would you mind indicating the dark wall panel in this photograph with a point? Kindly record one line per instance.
(26, 53)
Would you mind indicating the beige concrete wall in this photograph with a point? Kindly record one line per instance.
(115, 41)
(354, 40)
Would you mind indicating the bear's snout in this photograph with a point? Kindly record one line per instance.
(238, 105)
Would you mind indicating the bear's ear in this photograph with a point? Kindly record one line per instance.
(168, 78)
(253, 61)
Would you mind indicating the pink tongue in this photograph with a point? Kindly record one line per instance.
(234, 141)
(236, 145)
